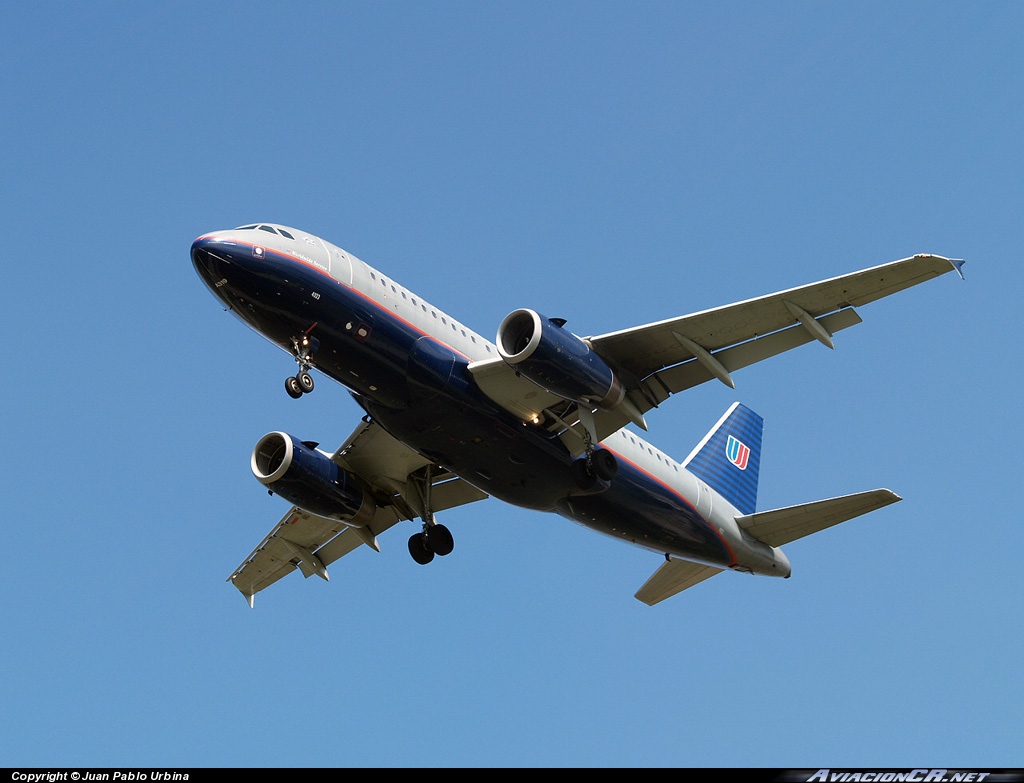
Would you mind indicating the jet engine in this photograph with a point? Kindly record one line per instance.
(557, 360)
(309, 479)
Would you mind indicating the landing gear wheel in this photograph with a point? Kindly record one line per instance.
(440, 540)
(420, 550)
(605, 465)
(291, 385)
(303, 349)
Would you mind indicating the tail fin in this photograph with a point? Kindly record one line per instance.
(729, 457)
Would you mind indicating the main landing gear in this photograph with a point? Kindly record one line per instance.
(435, 539)
(594, 471)
(302, 349)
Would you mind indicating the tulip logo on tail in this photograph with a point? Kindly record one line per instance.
(737, 452)
(729, 458)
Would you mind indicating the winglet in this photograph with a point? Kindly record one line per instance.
(249, 597)
(958, 264)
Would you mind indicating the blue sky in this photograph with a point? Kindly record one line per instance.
(608, 163)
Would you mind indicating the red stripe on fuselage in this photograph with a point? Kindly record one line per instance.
(379, 305)
(725, 544)
(383, 309)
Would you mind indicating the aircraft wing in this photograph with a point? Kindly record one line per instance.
(397, 477)
(669, 356)
(660, 359)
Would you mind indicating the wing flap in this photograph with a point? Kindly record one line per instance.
(783, 525)
(661, 385)
(673, 577)
(454, 492)
(277, 556)
(378, 458)
(692, 373)
(644, 350)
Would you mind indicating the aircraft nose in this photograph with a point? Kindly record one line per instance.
(201, 259)
(209, 255)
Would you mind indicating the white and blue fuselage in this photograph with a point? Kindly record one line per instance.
(406, 364)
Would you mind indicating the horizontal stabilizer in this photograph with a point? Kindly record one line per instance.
(783, 525)
(673, 577)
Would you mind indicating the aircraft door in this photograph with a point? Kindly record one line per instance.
(704, 498)
(340, 264)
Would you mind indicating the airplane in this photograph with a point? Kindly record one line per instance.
(539, 418)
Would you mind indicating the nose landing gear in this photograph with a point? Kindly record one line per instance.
(303, 349)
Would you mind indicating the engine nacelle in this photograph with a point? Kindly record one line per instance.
(309, 479)
(557, 360)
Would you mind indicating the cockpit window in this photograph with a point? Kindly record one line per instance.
(268, 229)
